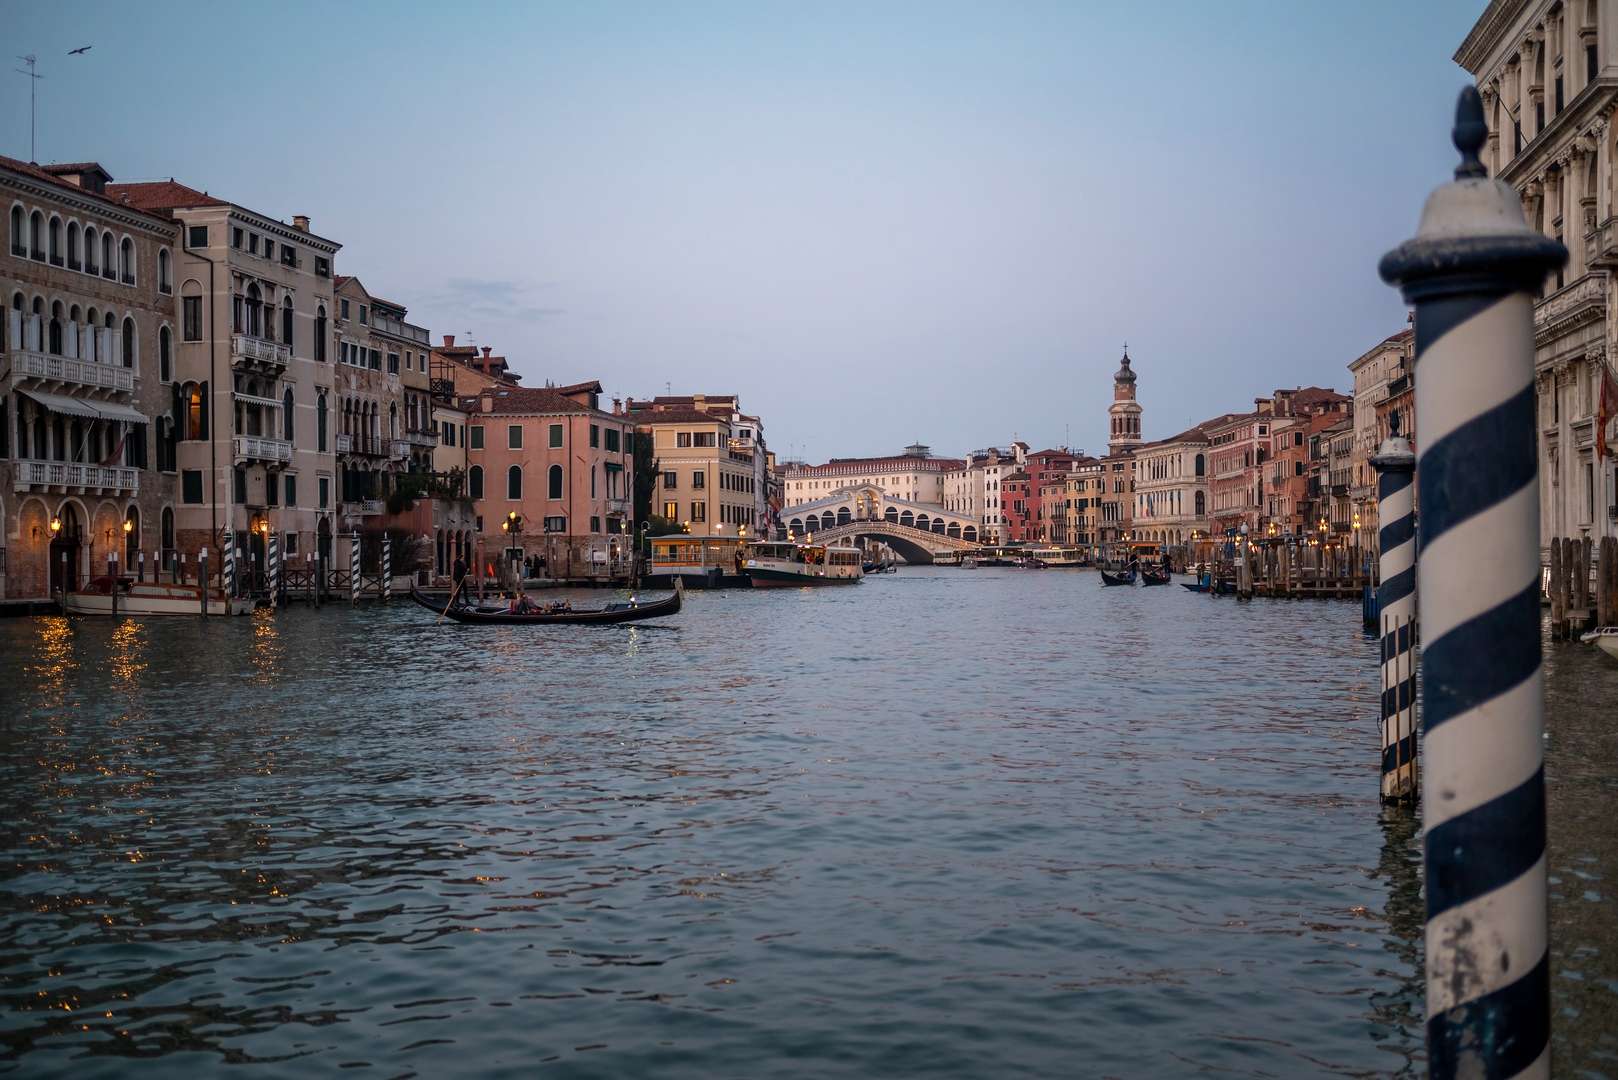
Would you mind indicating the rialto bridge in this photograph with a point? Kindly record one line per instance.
(915, 530)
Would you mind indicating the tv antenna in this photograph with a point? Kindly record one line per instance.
(33, 81)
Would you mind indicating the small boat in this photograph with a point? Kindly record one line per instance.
(969, 563)
(1606, 637)
(515, 611)
(1126, 578)
(150, 598)
(785, 563)
(1195, 586)
(1155, 577)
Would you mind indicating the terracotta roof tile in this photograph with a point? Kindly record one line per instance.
(30, 169)
(160, 195)
(531, 399)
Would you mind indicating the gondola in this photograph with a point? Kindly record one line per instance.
(1155, 577)
(556, 613)
(1126, 578)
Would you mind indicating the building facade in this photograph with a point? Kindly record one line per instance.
(1547, 71)
(86, 450)
(1171, 489)
(713, 462)
(254, 375)
(914, 476)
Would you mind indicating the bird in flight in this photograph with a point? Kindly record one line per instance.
(86, 49)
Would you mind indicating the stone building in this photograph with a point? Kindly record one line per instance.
(89, 396)
(1383, 383)
(1547, 71)
(253, 381)
(1080, 520)
(1125, 412)
(712, 461)
(1171, 489)
(974, 488)
(913, 476)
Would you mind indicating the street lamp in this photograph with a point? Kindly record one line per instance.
(56, 525)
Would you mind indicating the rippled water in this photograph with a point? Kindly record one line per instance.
(953, 823)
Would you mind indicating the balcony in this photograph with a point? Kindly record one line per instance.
(72, 374)
(398, 449)
(270, 353)
(617, 506)
(257, 448)
(1601, 246)
(364, 445)
(421, 438)
(364, 508)
(88, 478)
(399, 329)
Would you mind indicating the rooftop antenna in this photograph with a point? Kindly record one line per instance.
(33, 81)
(668, 389)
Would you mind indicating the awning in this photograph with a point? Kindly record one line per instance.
(95, 410)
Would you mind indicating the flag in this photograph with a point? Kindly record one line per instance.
(118, 451)
(1607, 410)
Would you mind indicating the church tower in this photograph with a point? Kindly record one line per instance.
(1125, 412)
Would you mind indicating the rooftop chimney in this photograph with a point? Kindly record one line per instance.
(617, 407)
(300, 222)
(486, 401)
(487, 349)
(449, 341)
(699, 402)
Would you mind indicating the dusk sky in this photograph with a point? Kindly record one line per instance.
(877, 223)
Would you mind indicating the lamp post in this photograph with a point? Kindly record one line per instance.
(1472, 272)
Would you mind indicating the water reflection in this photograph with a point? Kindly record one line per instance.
(796, 833)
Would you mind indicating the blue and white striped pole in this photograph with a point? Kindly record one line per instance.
(1395, 464)
(387, 570)
(354, 569)
(1472, 273)
(273, 564)
(227, 565)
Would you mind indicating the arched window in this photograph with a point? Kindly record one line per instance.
(797, 526)
(129, 343)
(72, 245)
(90, 250)
(168, 533)
(554, 487)
(286, 321)
(812, 522)
(514, 482)
(393, 420)
(907, 519)
(126, 260)
(36, 226)
(165, 271)
(474, 482)
(131, 538)
(286, 415)
(843, 516)
(196, 419)
(54, 338)
(109, 265)
(165, 360)
(19, 244)
(255, 312)
(56, 241)
(923, 522)
(320, 334)
(1201, 504)
(891, 514)
(320, 422)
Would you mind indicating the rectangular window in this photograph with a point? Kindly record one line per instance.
(1590, 66)
(1558, 96)
(671, 511)
(556, 436)
(269, 248)
(704, 438)
(271, 490)
(344, 308)
(290, 543)
(289, 255)
(235, 238)
(191, 486)
(592, 481)
(393, 363)
(477, 437)
(629, 442)
(682, 438)
(241, 485)
(192, 318)
(196, 236)
(671, 481)
(322, 266)
(363, 311)
(612, 440)
(514, 437)
(595, 436)
(323, 489)
(699, 511)
(252, 243)
(376, 359)
(292, 491)
(595, 524)
(699, 479)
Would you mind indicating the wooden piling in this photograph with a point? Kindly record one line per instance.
(1555, 587)
(1603, 569)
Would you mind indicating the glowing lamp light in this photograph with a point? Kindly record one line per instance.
(56, 525)
(129, 526)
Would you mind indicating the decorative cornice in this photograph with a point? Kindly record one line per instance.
(87, 203)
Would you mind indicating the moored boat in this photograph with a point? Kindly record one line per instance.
(1126, 578)
(787, 564)
(140, 598)
(1605, 638)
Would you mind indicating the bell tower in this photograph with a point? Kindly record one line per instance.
(1125, 412)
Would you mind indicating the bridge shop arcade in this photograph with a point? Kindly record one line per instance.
(917, 531)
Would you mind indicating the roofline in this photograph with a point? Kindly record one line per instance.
(100, 203)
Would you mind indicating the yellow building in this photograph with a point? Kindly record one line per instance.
(711, 459)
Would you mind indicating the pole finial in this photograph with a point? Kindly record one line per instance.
(1470, 132)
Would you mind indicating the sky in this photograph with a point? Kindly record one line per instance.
(876, 223)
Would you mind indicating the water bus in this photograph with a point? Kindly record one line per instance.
(697, 562)
(786, 564)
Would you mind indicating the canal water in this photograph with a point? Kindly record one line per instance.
(946, 823)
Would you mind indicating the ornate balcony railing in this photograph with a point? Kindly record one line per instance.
(421, 438)
(63, 369)
(364, 507)
(257, 448)
(59, 474)
(266, 352)
(617, 506)
(398, 449)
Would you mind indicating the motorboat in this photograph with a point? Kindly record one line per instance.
(1605, 638)
(776, 564)
(524, 611)
(125, 596)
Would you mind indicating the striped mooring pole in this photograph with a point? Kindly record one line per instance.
(1395, 464)
(273, 566)
(387, 570)
(227, 564)
(354, 569)
(1472, 272)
